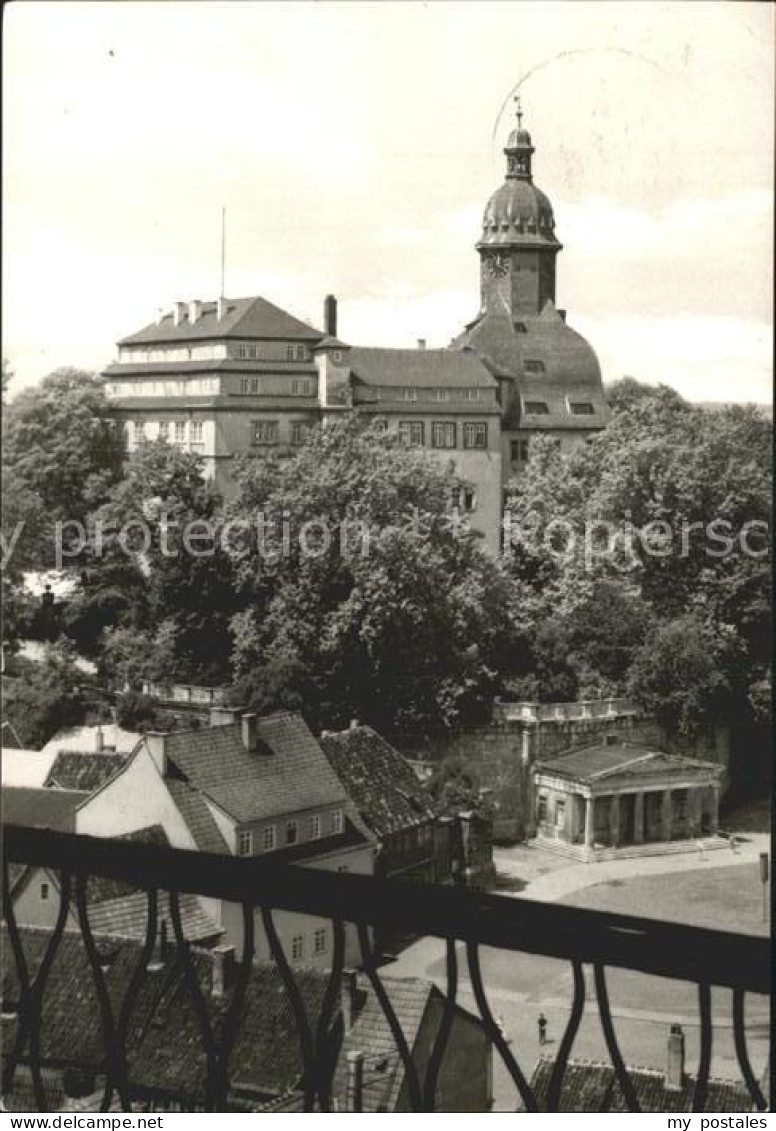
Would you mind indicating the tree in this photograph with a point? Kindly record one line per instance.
(61, 449)
(364, 598)
(8, 376)
(154, 565)
(42, 698)
(679, 675)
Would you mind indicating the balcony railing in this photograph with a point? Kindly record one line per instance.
(521, 711)
(582, 938)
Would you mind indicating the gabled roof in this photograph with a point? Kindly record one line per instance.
(382, 784)
(419, 368)
(594, 764)
(73, 769)
(592, 1086)
(197, 817)
(244, 318)
(371, 1035)
(287, 772)
(42, 808)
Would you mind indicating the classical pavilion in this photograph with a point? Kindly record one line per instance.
(623, 799)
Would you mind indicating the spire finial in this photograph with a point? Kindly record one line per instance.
(519, 110)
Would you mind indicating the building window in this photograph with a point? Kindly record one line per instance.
(337, 821)
(299, 431)
(533, 366)
(250, 385)
(319, 941)
(560, 814)
(408, 394)
(464, 499)
(265, 431)
(541, 808)
(289, 353)
(164, 430)
(520, 327)
(475, 435)
(380, 425)
(301, 353)
(536, 408)
(180, 431)
(292, 832)
(473, 394)
(611, 740)
(245, 843)
(519, 451)
(140, 433)
(300, 387)
(44, 891)
(315, 827)
(581, 408)
(195, 432)
(297, 947)
(336, 356)
(680, 804)
(443, 434)
(412, 433)
(269, 839)
(441, 394)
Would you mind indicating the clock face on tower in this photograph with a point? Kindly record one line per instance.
(498, 266)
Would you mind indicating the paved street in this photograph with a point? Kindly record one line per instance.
(520, 986)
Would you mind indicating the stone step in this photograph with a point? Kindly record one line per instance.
(659, 848)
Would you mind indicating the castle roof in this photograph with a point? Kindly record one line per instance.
(243, 318)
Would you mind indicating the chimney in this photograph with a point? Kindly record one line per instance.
(223, 716)
(223, 963)
(156, 741)
(221, 307)
(159, 953)
(354, 724)
(675, 1060)
(330, 316)
(562, 314)
(249, 721)
(99, 740)
(354, 1092)
(421, 343)
(195, 310)
(159, 316)
(178, 313)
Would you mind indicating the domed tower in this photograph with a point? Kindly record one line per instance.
(549, 376)
(518, 244)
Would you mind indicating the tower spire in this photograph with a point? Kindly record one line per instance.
(519, 111)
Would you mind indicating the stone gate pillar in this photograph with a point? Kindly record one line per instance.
(638, 818)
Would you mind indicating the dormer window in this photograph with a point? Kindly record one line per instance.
(531, 365)
(521, 327)
(336, 356)
(337, 821)
(245, 843)
(581, 408)
(536, 408)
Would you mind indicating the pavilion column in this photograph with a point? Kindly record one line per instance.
(714, 814)
(638, 818)
(614, 820)
(666, 821)
(589, 821)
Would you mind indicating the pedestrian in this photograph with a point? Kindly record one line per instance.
(542, 1023)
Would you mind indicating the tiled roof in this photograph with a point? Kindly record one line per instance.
(378, 779)
(371, 1035)
(591, 1086)
(595, 763)
(245, 318)
(125, 917)
(287, 772)
(199, 820)
(41, 808)
(73, 769)
(420, 368)
(165, 1052)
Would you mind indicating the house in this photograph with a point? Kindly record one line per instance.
(370, 1073)
(107, 738)
(166, 1060)
(593, 1086)
(419, 839)
(248, 787)
(73, 769)
(623, 799)
(232, 376)
(115, 909)
(391, 803)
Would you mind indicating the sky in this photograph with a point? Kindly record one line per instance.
(354, 146)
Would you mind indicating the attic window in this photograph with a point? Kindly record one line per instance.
(536, 408)
(533, 366)
(581, 408)
(521, 327)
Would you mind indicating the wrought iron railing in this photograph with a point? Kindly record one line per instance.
(583, 938)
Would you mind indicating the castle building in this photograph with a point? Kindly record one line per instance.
(239, 376)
